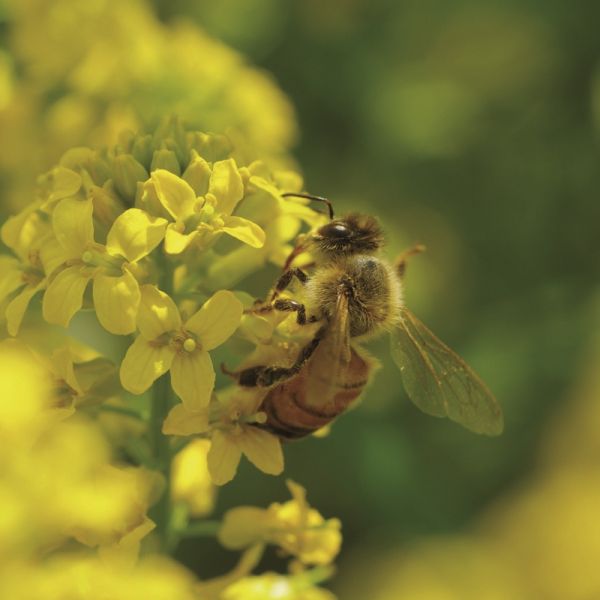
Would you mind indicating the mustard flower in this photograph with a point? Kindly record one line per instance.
(202, 219)
(116, 291)
(190, 481)
(293, 526)
(273, 585)
(166, 344)
(234, 433)
(280, 218)
(30, 237)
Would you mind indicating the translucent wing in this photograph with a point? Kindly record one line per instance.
(439, 382)
(332, 356)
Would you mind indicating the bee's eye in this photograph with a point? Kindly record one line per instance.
(335, 231)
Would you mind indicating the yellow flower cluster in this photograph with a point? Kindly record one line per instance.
(119, 67)
(57, 485)
(149, 235)
(142, 223)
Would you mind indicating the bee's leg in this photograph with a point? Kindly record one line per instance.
(293, 306)
(264, 376)
(402, 260)
(286, 279)
(264, 306)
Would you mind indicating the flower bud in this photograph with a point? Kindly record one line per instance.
(126, 173)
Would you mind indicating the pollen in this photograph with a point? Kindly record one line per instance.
(189, 345)
(260, 417)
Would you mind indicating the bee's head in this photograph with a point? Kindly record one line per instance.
(352, 234)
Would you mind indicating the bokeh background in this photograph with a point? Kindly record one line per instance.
(471, 127)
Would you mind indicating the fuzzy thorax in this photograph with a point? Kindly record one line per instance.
(373, 289)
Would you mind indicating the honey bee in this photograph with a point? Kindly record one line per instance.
(356, 295)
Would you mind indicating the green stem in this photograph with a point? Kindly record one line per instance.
(201, 529)
(161, 512)
(122, 410)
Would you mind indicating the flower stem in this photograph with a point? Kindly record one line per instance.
(201, 529)
(122, 410)
(161, 512)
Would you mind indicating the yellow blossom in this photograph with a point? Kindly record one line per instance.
(83, 576)
(294, 526)
(55, 478)
(272, 585)
(30, 237)
(281, 218)
(116, 292)
(190, 481)
(234, 433)
(165, 343)
(203, 212)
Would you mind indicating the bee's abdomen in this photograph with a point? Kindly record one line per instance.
(290, 416)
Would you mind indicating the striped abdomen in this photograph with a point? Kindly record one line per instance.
(296, 408)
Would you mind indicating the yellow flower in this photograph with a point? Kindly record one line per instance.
(80, 576)
(281, 219)
(234, 434)
(293, 526)
(273, 585)
(116, 292)
(203, 211)
(55, 480)
(190, 481)
(165, 343)
(30, 237)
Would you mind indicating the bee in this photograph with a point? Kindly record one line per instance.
(355, 295)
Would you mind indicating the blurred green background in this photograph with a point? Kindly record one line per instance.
(471, 127)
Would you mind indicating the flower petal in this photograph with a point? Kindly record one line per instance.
(193, 378)
(73, 225)
(181, 421)
(24, 230)
(157, 313)
(226, 185)
(262, 449)
(135, 234)
(244, 230)
(197, 174)
(143, 365)
(17, 307)
(11, 276)
(116, 300)
(216, 321)
(64, 295)
(52, 255)
(176, 242)
(62, 361)
(175, 194)
(223, 458)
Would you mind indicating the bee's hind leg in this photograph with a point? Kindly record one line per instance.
(265, 376)
(402, 260)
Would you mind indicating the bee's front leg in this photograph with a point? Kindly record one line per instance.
(286, 279)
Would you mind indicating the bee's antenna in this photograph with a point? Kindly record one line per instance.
(311, 197)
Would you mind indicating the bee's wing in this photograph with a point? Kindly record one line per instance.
(331, 357)
(439, 382)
